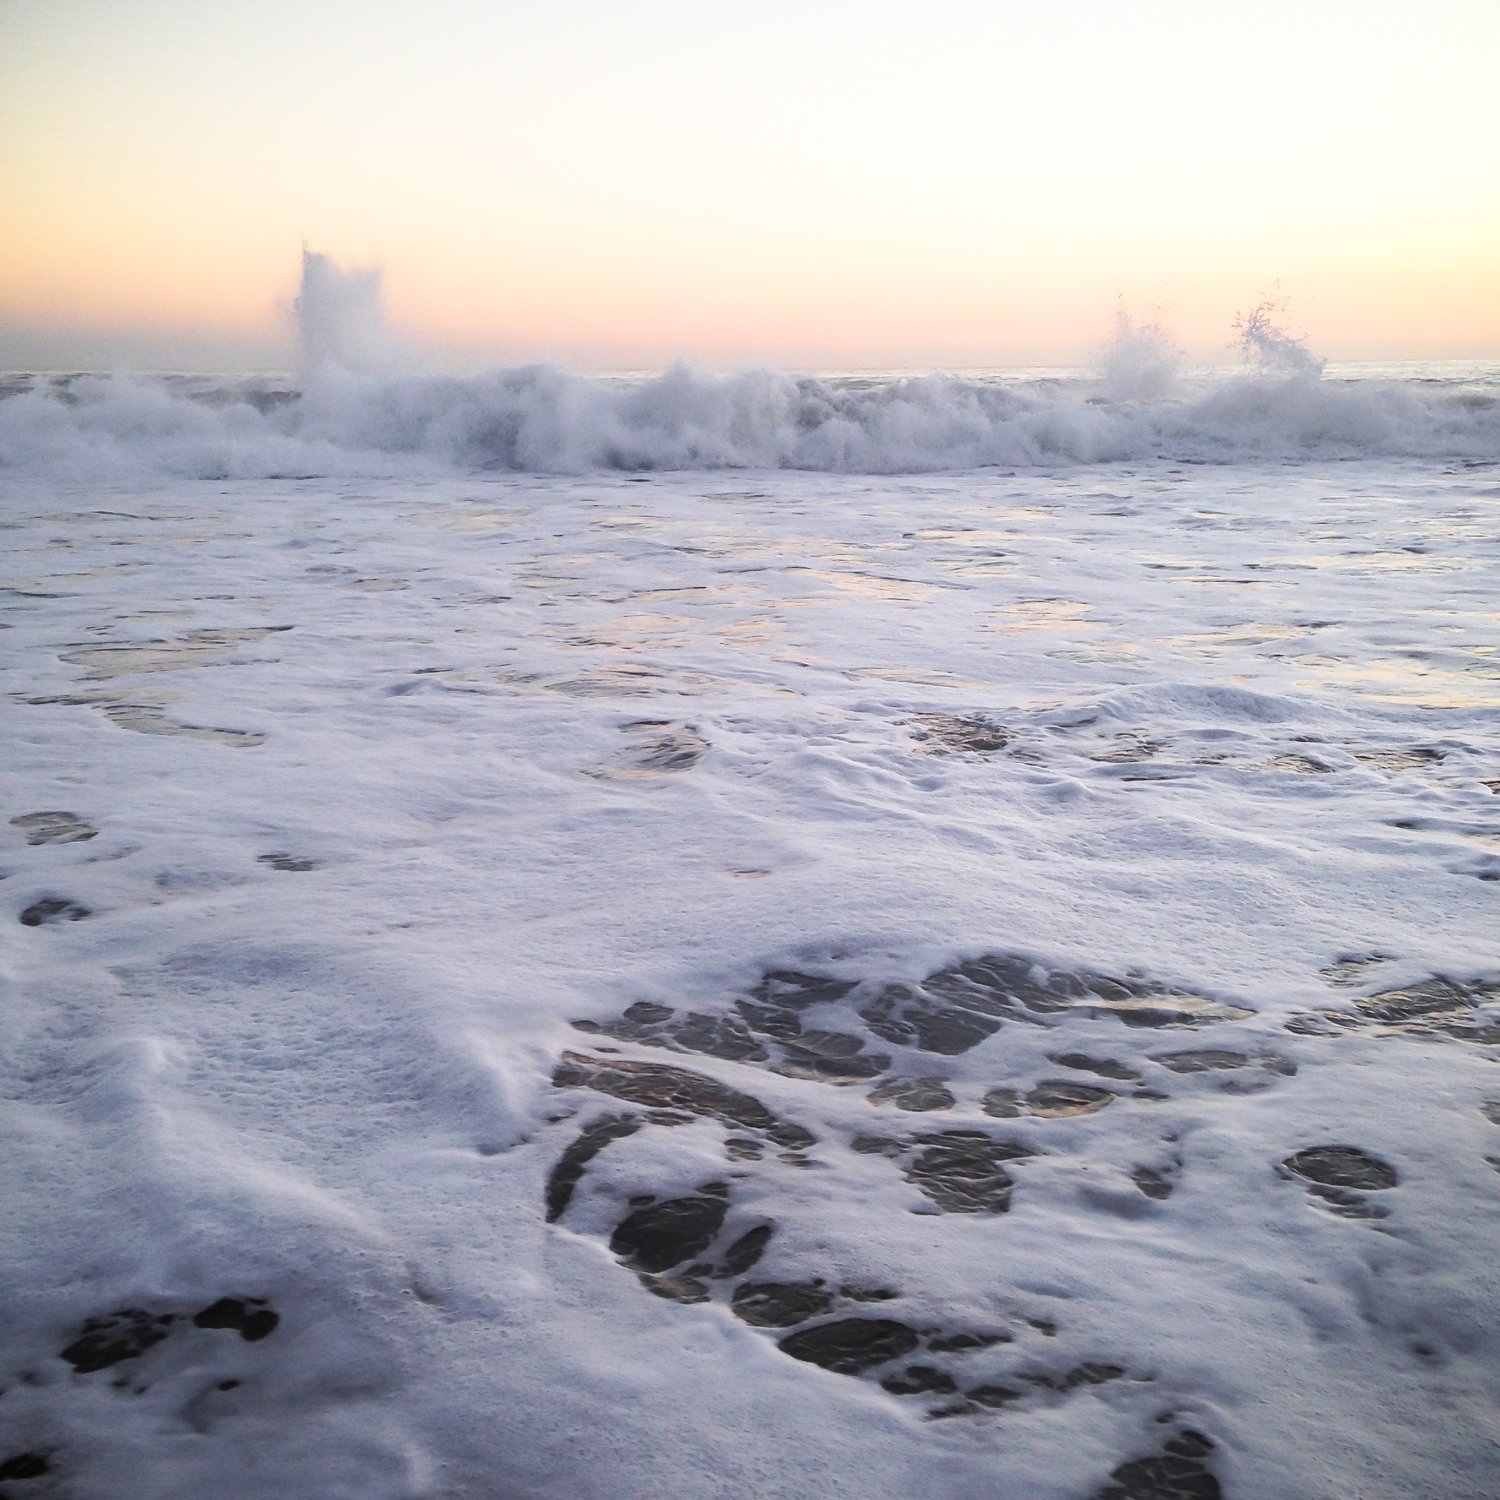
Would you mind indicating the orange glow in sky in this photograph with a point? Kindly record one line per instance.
(616, 184)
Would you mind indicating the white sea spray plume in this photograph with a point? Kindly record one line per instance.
(1270, 348)
(340, 318)
(1140, 362)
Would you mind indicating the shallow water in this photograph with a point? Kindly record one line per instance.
(705, 991)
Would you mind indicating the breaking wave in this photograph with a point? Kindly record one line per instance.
(352, 412)
(546, 419)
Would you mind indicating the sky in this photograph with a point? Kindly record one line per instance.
(822, 184)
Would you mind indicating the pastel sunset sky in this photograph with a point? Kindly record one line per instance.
(616, 183)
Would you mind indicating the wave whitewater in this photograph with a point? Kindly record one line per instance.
(547, 420)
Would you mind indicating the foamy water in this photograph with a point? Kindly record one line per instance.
(957, 960)
(547, 420)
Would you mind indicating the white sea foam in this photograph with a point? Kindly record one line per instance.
(546, 420)
(455, 720)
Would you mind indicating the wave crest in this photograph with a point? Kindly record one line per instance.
(545, 419)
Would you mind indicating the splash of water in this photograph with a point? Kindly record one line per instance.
(1269, 347)
(340, 320)
(1139, 363)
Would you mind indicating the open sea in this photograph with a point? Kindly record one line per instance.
(751, 937)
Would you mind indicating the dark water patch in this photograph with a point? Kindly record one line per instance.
(675, 1247)
(815, 1042)
(111, 1338)
(1439, 1007)
(994, 1397)
(1105, 1067)
(662, 1235)
(52, 909)
(590, 1141)
(247, 1316)
(745, 1253)
(290, 863)
(378, 585)
(685, 1289)
(850, 1346)
(1179, 1472)
(655, 1084)
(194, 648)
(660, 748)
(962, 1343)
(774, 1010)
(947, 1024)
(1158, 1183)
(812, 1056)
(1052, 1098)
(958, 1007)
(963, 1172)
(1221, 1060)
(9, 593)
(914, 1094)
(877, 1145)
(765, 1028)
(794, 991)
(1339, 1176)
(53, 828)
(1002, 1103)
(1205, 1059)
(799, 1021)
(780, 1304)
(1417, 758)
(1349, 969)
(1300, 765)
(916, 1380)
(1342, 1166)
(661, 1026)
(1418, 1002)
(25, 1466)
(1131, 750)
(146, 720)
(904, 1015)
(958, 734)
(1057, 1097)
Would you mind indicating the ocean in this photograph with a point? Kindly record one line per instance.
(771, 935)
